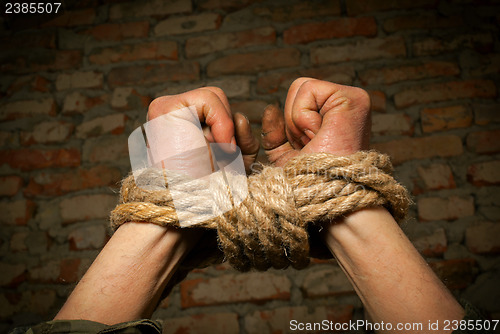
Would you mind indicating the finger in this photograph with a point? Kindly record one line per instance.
(245, 139)
(273, 128)
(244, 136)
(221, 95)
(308, 108)
(296, 134)
(345, 125)
(209, 107)
(274, 140)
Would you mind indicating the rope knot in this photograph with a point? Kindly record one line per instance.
(272, 226)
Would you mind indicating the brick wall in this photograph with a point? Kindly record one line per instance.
(74, 86)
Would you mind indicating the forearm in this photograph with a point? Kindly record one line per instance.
(126, 280)
(393, 281)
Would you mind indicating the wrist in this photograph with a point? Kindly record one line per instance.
(359, 228)
(392, 280)
(157, 250)
(135, 265)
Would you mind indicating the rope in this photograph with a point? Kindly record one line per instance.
(284, 206)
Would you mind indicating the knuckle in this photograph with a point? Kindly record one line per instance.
(155, 108)
(215, 90)
(363, 98)
(299, 82)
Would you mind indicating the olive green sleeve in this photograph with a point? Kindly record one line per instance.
(87, 327)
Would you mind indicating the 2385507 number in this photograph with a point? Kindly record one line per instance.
(32, 8)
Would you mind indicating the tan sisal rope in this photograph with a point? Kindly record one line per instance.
(273, 225)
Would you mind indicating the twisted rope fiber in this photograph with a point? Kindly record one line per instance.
(270, 227)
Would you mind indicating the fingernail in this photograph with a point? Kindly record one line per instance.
(309, 134)
(304, 140)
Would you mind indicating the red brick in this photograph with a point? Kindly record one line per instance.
(203, 45)
(224, 4)
(378, 100)
(23, 40)
(43, 60)
(81, 79)
(356, 7)
(373, 48)
(73, 18)
(406, 149)
(17, 212)
(175, 89)
(46, 273)
(435, 177)
(484, 173)
(8, 139)
(40, 302)
(77, 103)
(422, 21)
(159, 50)
(485, 114)
(338, 28)
(10, 185)
(28, 108)
(272, 83)
(29, 83)
(435, 45)
(254, 62)
(63, 271)
(451, 208)
(188, 24)
(329, 280)
(390, 75)
(128, 98)
(489, 65)
(56, 184)
(250, 287)
(10, 303)
(485, 142)
(457, 273)
(301, 10)
(279, 320)
(87, 237)
(12, 274)
(445, 118)
(445, 91)
(104, 149)
(37, 303)
(69, 270)
(86, 207)
(253, 110)
(30, 159)
(90, 3)
(118, 31)
(482, 238)
(392, 124)
(47, 133)
(142, 75)
(114, 124)
(433, 244)
(151, 8)
(223, 323)
(18, 242)
(233, 87)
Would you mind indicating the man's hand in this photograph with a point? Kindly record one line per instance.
(214, 113)
(392, 280)
(140, 259)
(319, 116)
